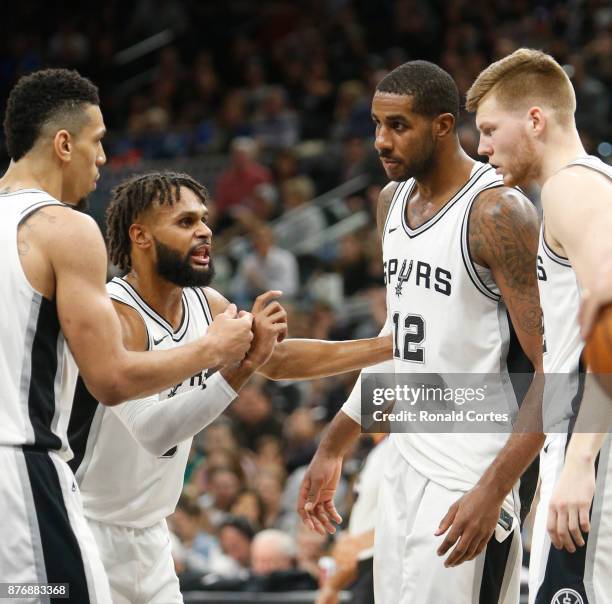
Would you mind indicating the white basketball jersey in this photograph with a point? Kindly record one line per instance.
(447, 317)
(560, 301)
(37, 385)
(121, 482)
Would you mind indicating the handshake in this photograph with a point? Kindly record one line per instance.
(249, 337)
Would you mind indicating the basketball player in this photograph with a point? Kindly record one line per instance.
(52, 297)
(130, 460)
(525, 106)
(471, 243)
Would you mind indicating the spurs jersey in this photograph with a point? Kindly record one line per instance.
(560, 301)
(121, 482)
(448, 318)
(37, 384)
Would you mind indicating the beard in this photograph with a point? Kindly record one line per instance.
(421, 163)
(524, 169)
(178, 270)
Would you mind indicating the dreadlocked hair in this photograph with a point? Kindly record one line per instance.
(134, 196)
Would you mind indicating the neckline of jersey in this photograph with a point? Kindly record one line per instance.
(180, 331)
(477, 171)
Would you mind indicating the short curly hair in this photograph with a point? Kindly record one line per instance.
(432, 89)
(134, 196)
(41, 97)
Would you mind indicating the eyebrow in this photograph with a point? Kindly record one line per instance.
(393, 117)
(192, 213)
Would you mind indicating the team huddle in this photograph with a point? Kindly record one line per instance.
(106, 384)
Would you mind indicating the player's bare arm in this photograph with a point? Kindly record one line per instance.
(503, 236)
(574, 196)
(77, 257)
(304, 359)
(315, 500)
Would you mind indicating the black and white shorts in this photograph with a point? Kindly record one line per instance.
(44, 535)
(558, 576)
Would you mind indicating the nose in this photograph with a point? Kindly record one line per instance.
(204, 231)
(484, 147)
(101, 159)
(382, 140)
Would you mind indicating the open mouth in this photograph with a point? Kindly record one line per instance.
(201, 255)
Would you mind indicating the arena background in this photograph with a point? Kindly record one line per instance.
(268, 104)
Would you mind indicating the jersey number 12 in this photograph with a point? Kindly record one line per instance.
(412, 334)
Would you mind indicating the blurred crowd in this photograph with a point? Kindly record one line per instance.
(281, 91)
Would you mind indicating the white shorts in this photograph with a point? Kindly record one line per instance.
(586, 575)
(44, 536)
(407, 569)
(138, 563)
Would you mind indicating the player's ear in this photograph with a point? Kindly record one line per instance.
(140, 236)
(536, 120)
(62, 145)
(443, 125)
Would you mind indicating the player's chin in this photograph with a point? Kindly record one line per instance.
(509, 179)
(395, 172)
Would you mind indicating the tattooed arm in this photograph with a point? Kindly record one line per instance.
(503, 236)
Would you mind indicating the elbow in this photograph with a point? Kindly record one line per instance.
(154, 448)
(108, 391)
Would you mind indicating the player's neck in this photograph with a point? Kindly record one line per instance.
(161, 295)
(562, 148)
(32, 172)
(448, 174)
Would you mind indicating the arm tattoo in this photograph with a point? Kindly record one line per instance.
(28, 226)
(503, 235)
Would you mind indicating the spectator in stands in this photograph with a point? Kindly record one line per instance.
(235, 536)
(254, 415)
(301, 220)
(269, 487)
(271, 551)
(224, 484)
(237, 182)
(300, 438)
(274, 125)
(268, 268)
(310, 547)
(200, 551)
(249, 505)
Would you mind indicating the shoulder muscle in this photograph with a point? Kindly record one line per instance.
(133, 328)
(384, 201)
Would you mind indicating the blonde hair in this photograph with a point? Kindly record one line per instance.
(526, 76)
